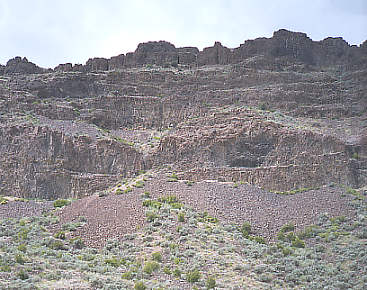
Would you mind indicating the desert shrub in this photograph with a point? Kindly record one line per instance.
(146, 194)
(167, 270)
(5, 268)
(173, 177)
(128, 189)
(157, 256)
(287, 251)
(189, 182)
(139, 184)
(168, 199)
(119, 191)
(151, 216)
(258, 239)
(298, 243)
(3, 200)
(22, 248)
(60, 235)
(181, 217)
(127, 275)
(245, 229)
(139, 285)
(287, 228)
(60, 203)
(114, 262)
(20, 259)
(177, 273)
(57, 245)
(77, 243)
(71, 226)
(193, 276)
(150, 267)
(152, 203)
(22, 275)
(210, 282)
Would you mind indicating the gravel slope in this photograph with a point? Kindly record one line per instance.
(113, 216)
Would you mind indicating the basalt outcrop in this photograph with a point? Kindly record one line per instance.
(284, 112)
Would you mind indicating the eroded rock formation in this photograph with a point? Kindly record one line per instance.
(282, 113)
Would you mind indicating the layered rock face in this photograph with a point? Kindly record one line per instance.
(282, 113)
(286, 45)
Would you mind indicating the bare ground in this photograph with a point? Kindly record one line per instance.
(113, 216)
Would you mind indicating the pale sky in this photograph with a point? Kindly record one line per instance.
(58, 31)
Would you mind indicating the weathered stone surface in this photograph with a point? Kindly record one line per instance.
(116, 62)
(187, 55)
(2, 69)
(282, 112)
(49, 164)
(96, 64)
(217, 54)
(156, 52)
(66, 67)
(21, 65)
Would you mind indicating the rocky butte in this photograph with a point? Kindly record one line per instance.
(283, 112)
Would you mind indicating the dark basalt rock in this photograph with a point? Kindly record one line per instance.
(22, 66)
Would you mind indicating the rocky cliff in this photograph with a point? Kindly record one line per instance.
(284, 112)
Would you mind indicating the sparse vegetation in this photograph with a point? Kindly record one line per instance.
(61, 203)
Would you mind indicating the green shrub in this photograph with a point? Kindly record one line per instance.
(77, 243)
(3, 200)
(210, 282)
(287, 228)
(298, 243)
(152, 203)
(181, 217)
(287, 251)
(119, 191)
(60, 235)
(193, 276)
(57, 245)
(5, 268)
(139, 184)
(20, 259)
(173, 178)
(258, 239)
(114, 262)
(157, 256)
(246, 229)
(150, 267)
(127, 275)
(22, 275)
(177, 273)
(128, 189)
(60, 203)
(151, 216)
(139, 285)
(22, 248)
(167, 270)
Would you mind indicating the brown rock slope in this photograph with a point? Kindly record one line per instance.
(113, 216)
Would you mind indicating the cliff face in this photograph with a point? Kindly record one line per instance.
(37, 161)
(283, 113)
(293, 46)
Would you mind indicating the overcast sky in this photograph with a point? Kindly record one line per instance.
(53, 32)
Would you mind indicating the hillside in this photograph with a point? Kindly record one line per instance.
(178, 151)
